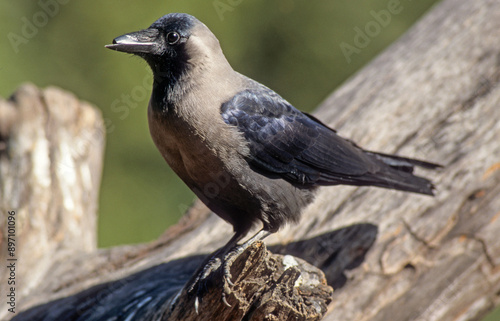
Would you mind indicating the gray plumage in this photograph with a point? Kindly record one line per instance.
(246, 152)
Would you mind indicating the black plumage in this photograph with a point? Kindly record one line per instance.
(295, 146)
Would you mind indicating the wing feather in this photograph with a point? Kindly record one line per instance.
(287, 142)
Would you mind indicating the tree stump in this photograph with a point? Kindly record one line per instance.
(389, 255)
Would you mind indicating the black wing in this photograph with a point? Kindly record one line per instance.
(297, 147)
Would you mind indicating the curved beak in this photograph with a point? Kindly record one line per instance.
(144, 41)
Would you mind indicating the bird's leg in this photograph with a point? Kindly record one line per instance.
(221, 259)
(213, 262)
(232, 255)
(209, 266)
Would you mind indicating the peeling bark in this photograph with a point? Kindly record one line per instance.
(389, 255)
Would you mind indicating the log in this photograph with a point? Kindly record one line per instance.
(51, 149)
(51, 153)
(388, 255)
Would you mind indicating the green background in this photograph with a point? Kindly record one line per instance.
(291, 46)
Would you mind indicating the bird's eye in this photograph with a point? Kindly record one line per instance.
(173, 38)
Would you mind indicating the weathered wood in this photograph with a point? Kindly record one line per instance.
(51, 148)
(271, 287)
(434, 95)
(69, 135)
(266, 285)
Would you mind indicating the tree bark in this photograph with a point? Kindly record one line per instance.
(389, 255)
(51, 148)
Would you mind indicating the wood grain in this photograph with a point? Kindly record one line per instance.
(434, 94)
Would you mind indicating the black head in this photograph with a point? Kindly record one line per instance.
(181, 51)
(162, 45)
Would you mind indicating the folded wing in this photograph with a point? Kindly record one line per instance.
(292, 145)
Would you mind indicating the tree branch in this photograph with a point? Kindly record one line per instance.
(389, 255)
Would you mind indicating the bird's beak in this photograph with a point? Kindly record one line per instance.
(144, 41)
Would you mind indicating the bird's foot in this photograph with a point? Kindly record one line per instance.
(218, 267)
(229, 260)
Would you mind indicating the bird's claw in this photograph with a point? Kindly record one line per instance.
(224, 299)
(199, 284)
(220, 264)
(196, 304)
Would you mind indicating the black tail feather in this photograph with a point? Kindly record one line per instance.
(399, 174)
(398, 161)
(395, 173)
(389, 178)
(402, 181)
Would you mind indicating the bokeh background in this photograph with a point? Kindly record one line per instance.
(294, 47)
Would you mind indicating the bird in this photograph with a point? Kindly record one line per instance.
(246, 152)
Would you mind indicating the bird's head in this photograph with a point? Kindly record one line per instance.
(173, 45)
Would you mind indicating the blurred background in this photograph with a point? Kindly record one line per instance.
(300, 50)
